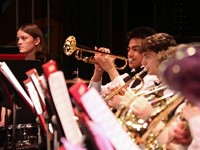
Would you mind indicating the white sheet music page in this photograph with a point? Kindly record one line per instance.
(61, 99)
(15, 83)
(34, 96)
(101, 114)
(35, 81)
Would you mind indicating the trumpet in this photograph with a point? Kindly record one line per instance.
(70, 47)
(120, 90)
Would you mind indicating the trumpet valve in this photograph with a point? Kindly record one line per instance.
(89, 60)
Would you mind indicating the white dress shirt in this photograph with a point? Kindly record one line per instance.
(149, 81)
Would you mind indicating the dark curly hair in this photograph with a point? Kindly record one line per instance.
(158, 42)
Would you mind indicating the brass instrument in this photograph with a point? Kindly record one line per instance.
(154, 96)
(177, 115)
(120, 90)
(141, 130)
(70, 47)
(152, 142)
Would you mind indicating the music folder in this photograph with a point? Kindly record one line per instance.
(19, 68)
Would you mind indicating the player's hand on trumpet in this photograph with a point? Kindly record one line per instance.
(105, 61)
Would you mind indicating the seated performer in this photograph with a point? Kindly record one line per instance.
(155, 50)
(105, 63)
(182, 74)
(31, 42)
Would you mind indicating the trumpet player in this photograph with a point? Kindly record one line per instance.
(182, 74)
(106, 64)
(155, 49)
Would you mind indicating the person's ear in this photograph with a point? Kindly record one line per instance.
(37, 41)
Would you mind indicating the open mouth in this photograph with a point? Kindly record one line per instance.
(130, 60)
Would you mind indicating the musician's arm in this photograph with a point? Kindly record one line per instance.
(3, 114)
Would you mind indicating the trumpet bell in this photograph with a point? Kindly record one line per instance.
(69, 46)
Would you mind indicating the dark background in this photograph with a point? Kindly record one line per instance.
(96, 23)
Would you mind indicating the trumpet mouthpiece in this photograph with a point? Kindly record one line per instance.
(145, 69)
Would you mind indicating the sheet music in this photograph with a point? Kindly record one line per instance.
(34, 96)
(34, 77)
(101, 114)
(15, 83)
(36, 101)
(35, 80)
(61, 99)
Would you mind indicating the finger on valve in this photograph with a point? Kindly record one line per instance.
(96, 54)
(103, 49)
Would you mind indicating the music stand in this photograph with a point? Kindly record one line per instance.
(12, 57)
(19, 68)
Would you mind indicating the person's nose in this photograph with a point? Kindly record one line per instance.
(130, 54)
(143, 62)
(19, 42)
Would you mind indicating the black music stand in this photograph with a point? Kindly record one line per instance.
(9, 50)
(19, 68)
